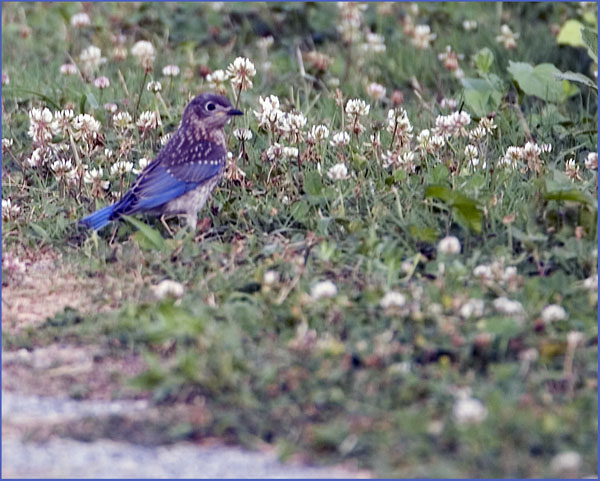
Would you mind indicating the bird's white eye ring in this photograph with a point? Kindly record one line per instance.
(210, 106)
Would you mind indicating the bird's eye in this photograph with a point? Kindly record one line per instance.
(210, 106)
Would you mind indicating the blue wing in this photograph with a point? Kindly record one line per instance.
(178, 168)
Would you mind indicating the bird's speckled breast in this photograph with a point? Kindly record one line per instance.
(192, 201)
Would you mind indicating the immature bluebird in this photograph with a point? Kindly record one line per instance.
(184, 173)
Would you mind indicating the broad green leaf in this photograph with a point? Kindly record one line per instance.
(484, 59)
(148, 233)
(577, 77)
(590, 39)
(570, 34)
(425, 234)
(45, 98)
(539, 81)
(92, 100)
(483, 95)
(467, 211)
(572, 195)
(40, 231)
(313, 184)
(299, 210)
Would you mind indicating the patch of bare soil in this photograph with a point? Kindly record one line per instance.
(75, 372)
(37, 285)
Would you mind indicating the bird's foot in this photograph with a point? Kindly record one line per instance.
(164, 222)
(203, 227)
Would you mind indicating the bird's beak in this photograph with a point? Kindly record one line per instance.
(233, 111)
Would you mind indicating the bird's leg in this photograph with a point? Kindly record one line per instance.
(164, 222)
(192, 220)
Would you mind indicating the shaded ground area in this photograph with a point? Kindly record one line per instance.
(62, 437)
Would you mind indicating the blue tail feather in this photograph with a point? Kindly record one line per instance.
(98, 219)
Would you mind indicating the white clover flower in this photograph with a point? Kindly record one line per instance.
(566, 464)
(265, 42)
(170, 71)
(164, 140)
(545, 148)
(471, 152)
(423, 139)
(422, 37)
(274, 152)
(591, 283)
(154, 87)
(144, 52)
(448, 103)
(270, 278)
(10, 211)
(357, 107)
(290, 152)
(5, 79)
(469, 25)
(120, 52)
(168, 288)
(6, 143)
(338, 172)
(68, 69)
(61, 167)
(292, 125)
(142, 164)
(453, 124)
(111, 107)
(512, 156)
(468, 410)
(242, 134)
(591, 161)
(507, 38)
(269, 114)
(449, 245)
(318, 133)
(472, 308)
(392, 299)
(216, 81)
(62, 121)
(122, 120)
(90, 59)
(241, 71)
(575, 338)
(450, 58)
(350, 20)
(80, 19)
(553, 313)
(148, 120)
(323, 289)
(94, 177)
(375, 91)
(102, 83)
(121, 167)
(86, 127)
(41, 126)
(37, 158)
(507, 306)
(437, 142)
(374, 43)
(478, 133)
(340, 139)
(398, 124)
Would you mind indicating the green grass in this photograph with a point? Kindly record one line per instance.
(343, 377)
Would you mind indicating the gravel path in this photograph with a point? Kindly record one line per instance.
(20, 409)
(66, 458)
(61, 458)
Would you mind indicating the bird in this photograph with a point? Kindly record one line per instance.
(182, 176)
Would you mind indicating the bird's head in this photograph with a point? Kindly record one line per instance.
(210, 110)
